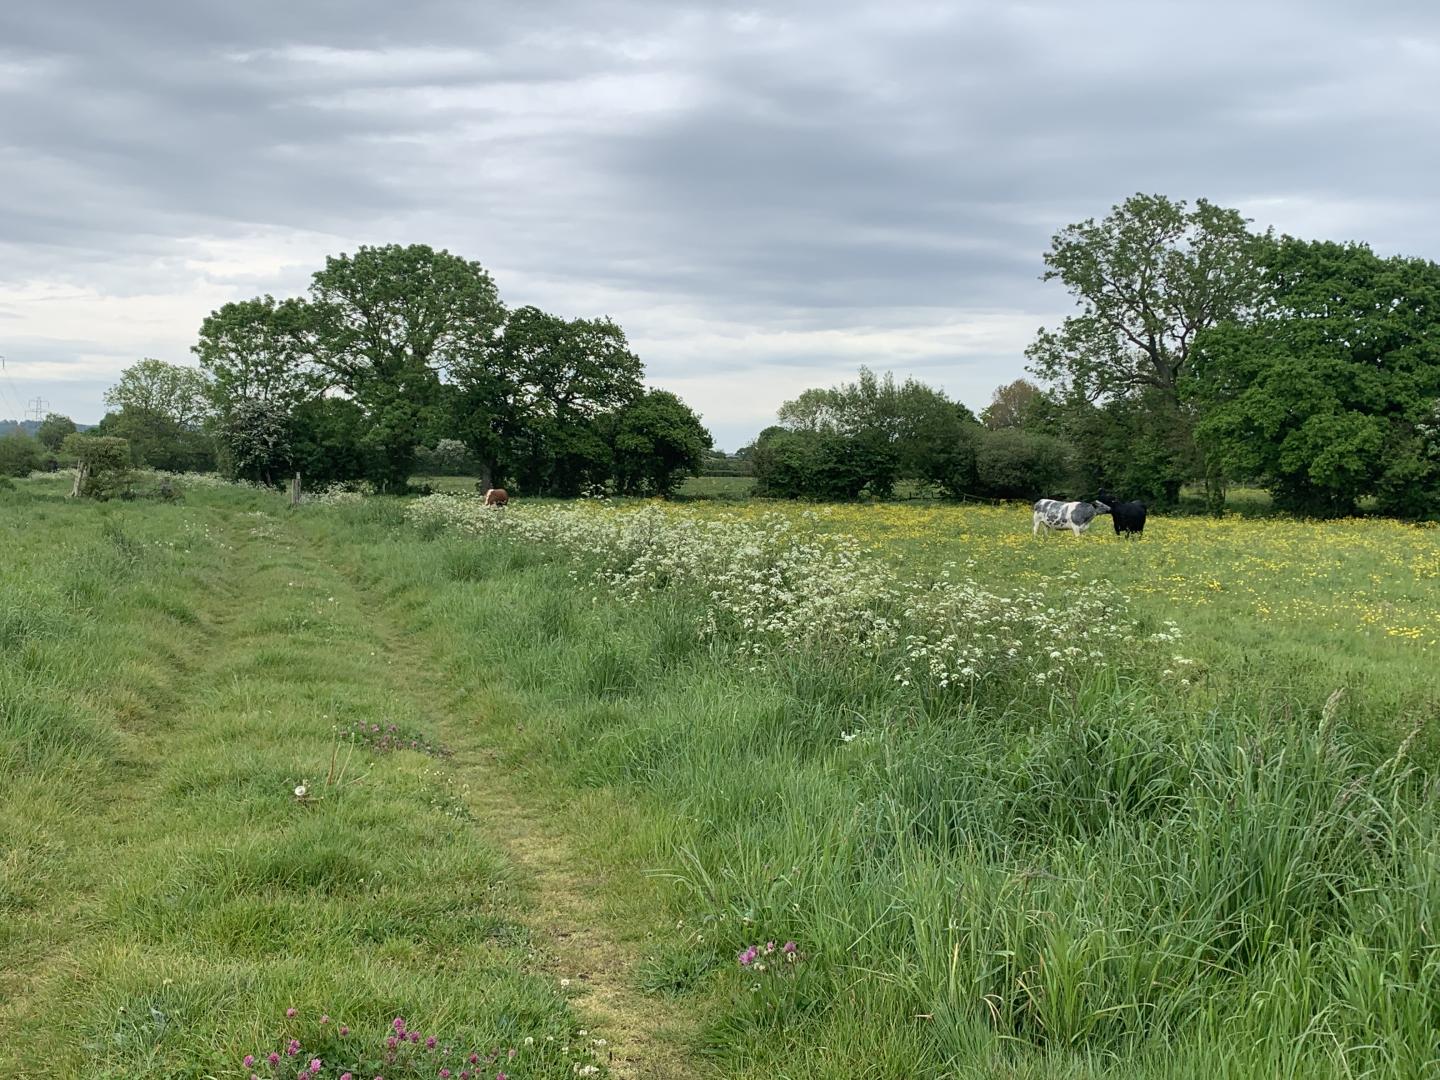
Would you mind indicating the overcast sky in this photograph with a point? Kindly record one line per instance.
(764, 197)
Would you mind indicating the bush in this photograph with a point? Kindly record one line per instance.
(1014, 464)
(102, 465)
(19, 455)
(821, 465)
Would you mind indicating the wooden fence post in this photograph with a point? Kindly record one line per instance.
(295, 490)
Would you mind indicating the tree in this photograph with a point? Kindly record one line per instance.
(169, 391)
(386, 322)
(658, 441)
(1330, 394)
(534, 411)
(1149, 279)
(53, 430)
(910, 430)
(259, 350)
(1013, 405)
(256, 436)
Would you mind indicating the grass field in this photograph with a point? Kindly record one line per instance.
(1014, 822)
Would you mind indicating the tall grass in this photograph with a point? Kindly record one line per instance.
(1108, 877)
(169, 675)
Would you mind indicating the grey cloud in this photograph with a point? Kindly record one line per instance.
(794, 169)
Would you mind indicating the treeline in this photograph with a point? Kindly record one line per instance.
(1203, 353)
(402, 358)
(864, 438)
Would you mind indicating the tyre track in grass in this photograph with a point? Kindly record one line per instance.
(585, 942)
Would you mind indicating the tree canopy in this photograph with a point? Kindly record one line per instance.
(1330, 393)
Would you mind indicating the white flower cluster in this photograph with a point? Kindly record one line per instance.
(773, 583)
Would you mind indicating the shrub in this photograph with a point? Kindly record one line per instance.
(102, 465)
(19, 455)
(1015, 464)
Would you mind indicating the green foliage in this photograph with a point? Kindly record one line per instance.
(53, 430)
(327, 441)
(658, 441)
(1148, 278)
(1330, 394)
(259, 350)
(20, 455)
(169, 392)
(158, 441)
(256, 440)
(102, 465)
(553, 398)
(1014, 464)
(1016, 404)
(869, 434)
(386, 322)
(448, 457)
(821, 465)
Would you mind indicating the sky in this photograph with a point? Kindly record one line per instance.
(765, 197)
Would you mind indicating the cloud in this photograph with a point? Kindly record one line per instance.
(764, 199)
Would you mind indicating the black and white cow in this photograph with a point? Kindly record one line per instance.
(1075, 516)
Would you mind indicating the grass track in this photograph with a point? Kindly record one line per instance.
(169, 674)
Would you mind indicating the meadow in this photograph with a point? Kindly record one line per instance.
(870, 791)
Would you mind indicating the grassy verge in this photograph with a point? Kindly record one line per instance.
(1116, 880)
(169, 675)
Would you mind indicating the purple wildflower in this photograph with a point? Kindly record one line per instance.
(788, 948)
(430, 1043)
(274, 1058)
(249, 1060)
(290, 1011)
(344, 1030)
(314, 1064)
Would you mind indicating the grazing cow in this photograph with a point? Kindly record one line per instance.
(1127, 517)
(497, 497)
(1075, 516)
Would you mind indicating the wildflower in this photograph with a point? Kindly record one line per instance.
(430, 1043)
(249, 1060)
(300, 793)
(344, 1030)
(324, 1019)
(444, 1074)
(788, 948)
(291, 1011)
(399, 1024)
(314, 1064)
(274, 1058)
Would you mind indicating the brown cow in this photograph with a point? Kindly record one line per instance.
(497, 497)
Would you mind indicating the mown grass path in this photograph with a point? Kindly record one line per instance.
(167, 897)
(589, 935)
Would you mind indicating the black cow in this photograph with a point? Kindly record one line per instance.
(1128, 517)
